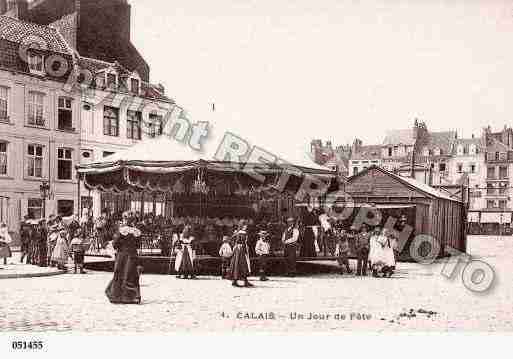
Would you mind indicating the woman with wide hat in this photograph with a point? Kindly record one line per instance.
(240, 266)
(124, 287)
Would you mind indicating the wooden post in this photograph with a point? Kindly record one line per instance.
(79, 207)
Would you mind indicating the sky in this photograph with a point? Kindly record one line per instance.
(285, 72)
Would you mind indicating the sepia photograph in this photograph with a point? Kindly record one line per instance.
(258, 167)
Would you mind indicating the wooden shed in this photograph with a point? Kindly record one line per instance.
(427, 210)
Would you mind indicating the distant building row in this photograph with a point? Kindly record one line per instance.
(484, 164)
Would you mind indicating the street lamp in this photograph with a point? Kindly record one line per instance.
(44, 188)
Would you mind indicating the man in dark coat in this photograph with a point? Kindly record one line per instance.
(362, 251)
(24, 238)
(290, 238)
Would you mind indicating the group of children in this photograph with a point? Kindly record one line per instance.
(380, 249)
(262, 250)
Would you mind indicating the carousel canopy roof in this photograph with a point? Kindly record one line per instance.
(164, 155)
(165, 165)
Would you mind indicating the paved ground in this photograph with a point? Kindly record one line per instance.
(15, 269)
(77, 303)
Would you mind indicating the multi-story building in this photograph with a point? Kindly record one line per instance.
(363, 157)
(39, 124)
(118, 110)
(397, 148)
(499, 166)
(47, 128)
(466, 166)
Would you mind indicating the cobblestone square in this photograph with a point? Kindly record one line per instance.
(77, 303)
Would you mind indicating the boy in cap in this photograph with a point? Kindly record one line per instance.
(226, 253)
(342, 250)
(262, 250)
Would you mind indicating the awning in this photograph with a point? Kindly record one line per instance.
(496, 217)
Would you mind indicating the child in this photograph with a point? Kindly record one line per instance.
(226, 253)
(262, 250)
(77, 247)
(342, 251)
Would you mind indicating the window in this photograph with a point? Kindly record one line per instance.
(460, 150)
(425, 151)
(35, 208)
(134, 86)
(460, 168)
(35, 161)
(490, 173)
(441, 167)
(490, 189)
(107, 154)
(472, 149)
(64, 164)
(65, 114)
(110, 121)
(390, 151)
(497, 156)
(503, 188)
(133, 125)
(503, 156)
(3, 158)
(490, 204)
(472, 168)
(155, 125)
(502, 204)
(36, 63)
(65, 208)
(503, 172)
(36, 109)
(112, 80)
(4, 102)
(355, 170)
(437, 152)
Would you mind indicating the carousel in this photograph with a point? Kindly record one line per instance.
(173, 185)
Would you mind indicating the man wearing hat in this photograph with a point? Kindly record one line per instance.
(289, 238)
(24, 238)
(262, 250)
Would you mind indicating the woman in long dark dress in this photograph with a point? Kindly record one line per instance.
(308, 241)
(240, 266)
(124, 287)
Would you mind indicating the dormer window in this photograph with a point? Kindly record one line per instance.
(112, 81)
(460, 150)
(437, 152)
(425, 151)
(36, 63)
(472, 149)
(134, 86)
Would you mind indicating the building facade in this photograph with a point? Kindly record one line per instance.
(39, 126)
(118, 110)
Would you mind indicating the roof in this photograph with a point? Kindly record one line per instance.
(396, 137)
(496, 146)
(94, 65)
(466, 143)
(370, 152)
(420, 186)
(442, 140)
(165, 149)
(18, 31)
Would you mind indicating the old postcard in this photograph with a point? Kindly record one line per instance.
(257, 166)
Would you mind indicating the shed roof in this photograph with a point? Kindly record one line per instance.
(410, 182)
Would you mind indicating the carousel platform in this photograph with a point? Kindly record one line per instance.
(209, 265)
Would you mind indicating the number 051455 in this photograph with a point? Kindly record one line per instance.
(24, 345)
